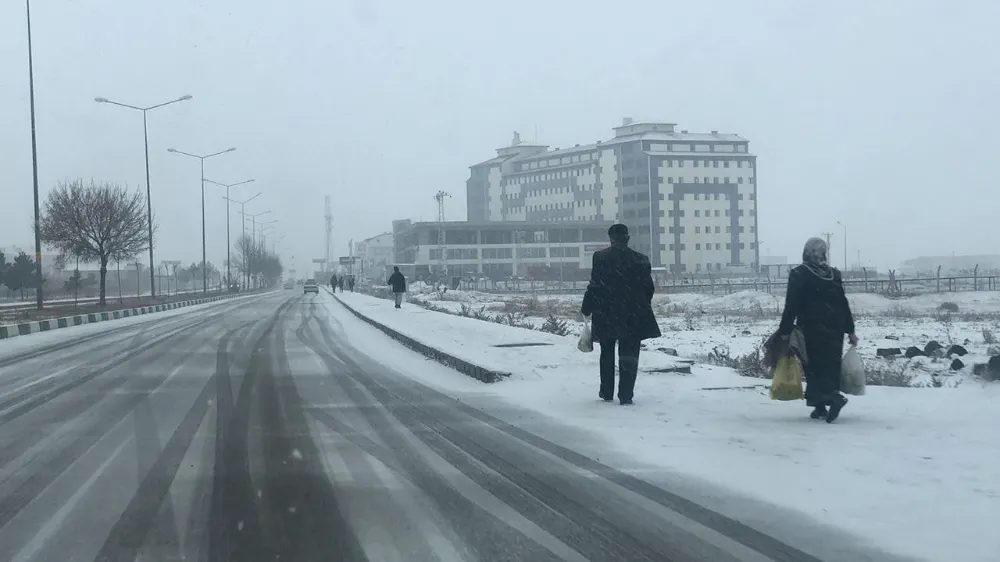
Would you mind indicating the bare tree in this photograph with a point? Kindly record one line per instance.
(96, 223)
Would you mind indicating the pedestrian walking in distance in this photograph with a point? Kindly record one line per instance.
(398, 284)
(340, 284)
(333, 282)
(619, 300)
(815, 300)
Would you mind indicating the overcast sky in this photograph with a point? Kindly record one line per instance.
(878, 113)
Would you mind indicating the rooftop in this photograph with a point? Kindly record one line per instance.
(629, 131)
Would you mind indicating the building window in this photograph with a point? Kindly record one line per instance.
(729, 246)
(715, 163)
(697, 196)
(695, 163)
(718, 246)
(717, 230)
(697, 213)
(680, 163)
(697, 267)
(697, 230)
(729, 230)
(752, 245)
(753, 212)
(742, 246)
(741, 212)
(753, 229)
(697, 246)
(739, 163)
(671, 230)
(670, 180)
(727, 212)
(753, 196)
(741, 230)
(683, 247)
(716, 212)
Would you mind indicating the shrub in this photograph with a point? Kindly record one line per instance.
(555, 326)
(880, 373)
(988, 337)
(949, 307)
(748, 365)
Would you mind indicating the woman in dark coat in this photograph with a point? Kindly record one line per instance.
(816, 302)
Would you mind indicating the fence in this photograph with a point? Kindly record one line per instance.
(720, 286)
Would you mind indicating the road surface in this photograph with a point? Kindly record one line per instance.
(253, 431)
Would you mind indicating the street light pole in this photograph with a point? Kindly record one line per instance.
(229, 279)
(149, 198)
(204, 249)
(845, 244)
(34, 163)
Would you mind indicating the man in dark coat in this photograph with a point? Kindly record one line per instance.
(815, 300)
(619, 299)
(333, 282)
(398, 284)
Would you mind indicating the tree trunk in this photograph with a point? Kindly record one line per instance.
(104, 281)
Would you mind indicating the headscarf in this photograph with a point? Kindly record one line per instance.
(814, 257)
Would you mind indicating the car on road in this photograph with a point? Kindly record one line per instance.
(310, 287)
(289, 285)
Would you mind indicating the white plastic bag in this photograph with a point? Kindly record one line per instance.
(852, 373)
(586, 343)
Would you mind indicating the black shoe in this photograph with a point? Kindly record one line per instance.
(838, 404)
(626, 402)
(819, 413)
(605, 398)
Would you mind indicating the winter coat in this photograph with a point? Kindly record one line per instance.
(819, 307)
(619, 296)
(397, 282)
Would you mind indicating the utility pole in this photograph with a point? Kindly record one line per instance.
(827, 235)
(329, 234)
(442, 263)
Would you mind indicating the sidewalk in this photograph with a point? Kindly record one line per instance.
(911, 470)
(524, 354)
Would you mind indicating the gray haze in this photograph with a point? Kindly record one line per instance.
(881, 114)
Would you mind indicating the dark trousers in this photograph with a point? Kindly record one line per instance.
(628, 367)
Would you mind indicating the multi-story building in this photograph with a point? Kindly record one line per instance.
(689, 199)
(499, 250)
(373, 255)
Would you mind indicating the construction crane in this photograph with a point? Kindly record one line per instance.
(329, 235)
(442, 250)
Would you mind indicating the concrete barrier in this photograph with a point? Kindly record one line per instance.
(461, 365)
(28, 328)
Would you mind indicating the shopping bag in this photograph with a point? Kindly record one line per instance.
(852, 373)
(586, 343)
(787, 381)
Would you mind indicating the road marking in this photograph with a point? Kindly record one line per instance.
(55, 522)
(38, 381)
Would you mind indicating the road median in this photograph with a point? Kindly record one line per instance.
(27, 328)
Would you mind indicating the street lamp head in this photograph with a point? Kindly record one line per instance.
(101, 100)
(231, 149)
(185, 97)
(171, 150)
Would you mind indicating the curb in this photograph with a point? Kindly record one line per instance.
(28, 328)
(461, 365)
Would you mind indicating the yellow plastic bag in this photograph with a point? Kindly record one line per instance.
(787, 381)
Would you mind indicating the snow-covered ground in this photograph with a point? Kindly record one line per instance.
(910, 469)
(735, 325)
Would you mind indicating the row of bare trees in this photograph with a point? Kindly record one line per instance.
(257, 266)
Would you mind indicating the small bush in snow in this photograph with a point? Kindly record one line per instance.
(747, 365)
(949, 307)
(988, 337)
(888, 374)
(555, 326)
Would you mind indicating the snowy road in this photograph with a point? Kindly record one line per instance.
(255, 431)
